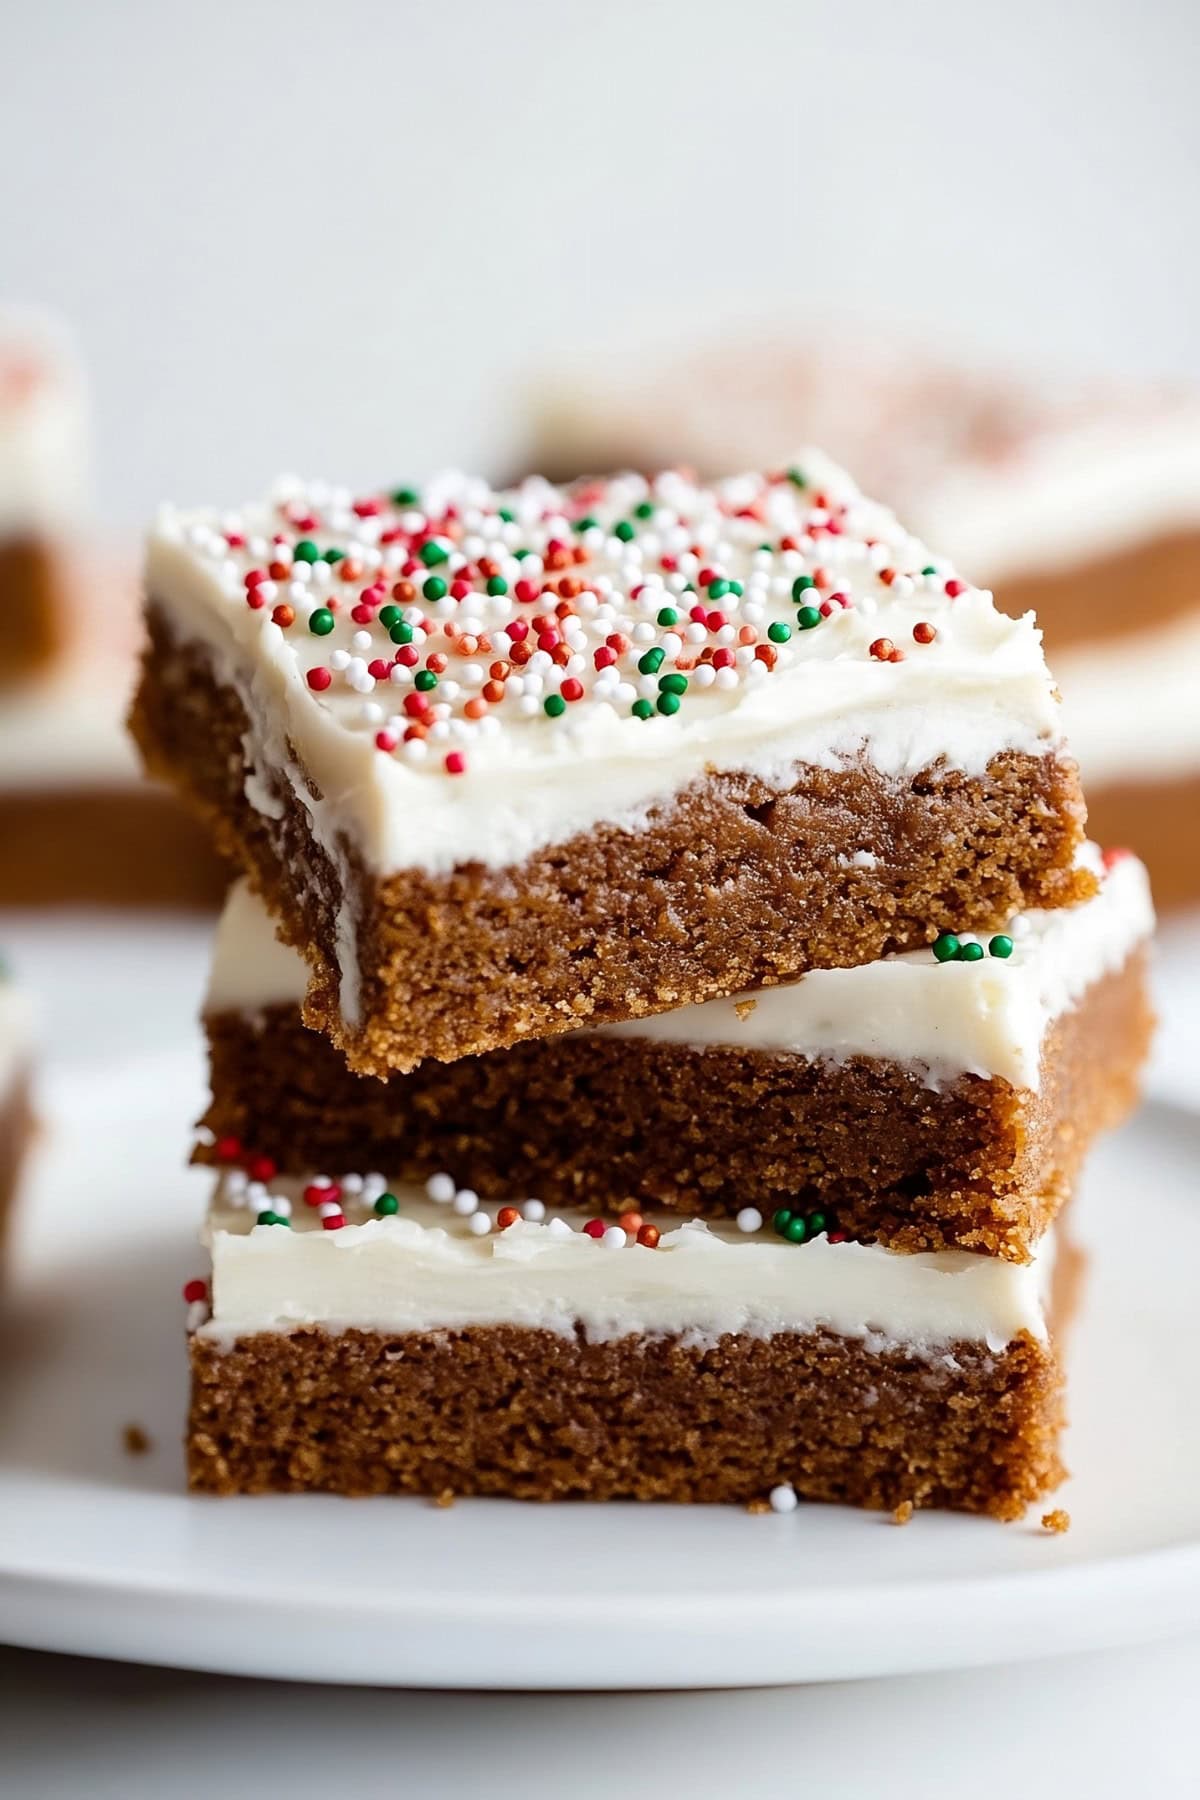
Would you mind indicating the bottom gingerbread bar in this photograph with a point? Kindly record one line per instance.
(372, 1344)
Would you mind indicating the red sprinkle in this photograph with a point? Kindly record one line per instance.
(228, 1149)
(385, 740)
(319, 679)
(883, 649)
(333, 1221)
(595, 1228)
(571, 689)
(955, 588)
(648, 1236)
(924, 632)
(195, 1290)
(284, 615)
(317, 1192)
(508, 1215)
(456, 763)
(262, 1168)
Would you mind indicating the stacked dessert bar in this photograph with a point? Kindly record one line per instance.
(668, 1005)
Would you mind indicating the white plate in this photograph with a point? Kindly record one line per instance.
(104, 1553)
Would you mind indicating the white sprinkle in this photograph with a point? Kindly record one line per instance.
(783, 1498)
(534, 1211)
(441, 1188)
(614, 1238)
(282, 1205)
(479, 1224)
(329, 1209)
(465, 1202)
(749, 1219)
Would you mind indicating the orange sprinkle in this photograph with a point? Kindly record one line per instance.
(475, 707)
(493, 691)
(631, 1221)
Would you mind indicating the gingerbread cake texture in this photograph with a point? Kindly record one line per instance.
(923, 1103)
(503, 764)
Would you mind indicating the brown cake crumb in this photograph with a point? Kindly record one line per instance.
(135, 1441)
(445, 1499)
(1057, 1521)
(903, 1513)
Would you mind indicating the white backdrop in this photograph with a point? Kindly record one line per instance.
(334, 237)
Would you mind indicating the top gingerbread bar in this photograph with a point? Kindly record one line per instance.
(506, 762)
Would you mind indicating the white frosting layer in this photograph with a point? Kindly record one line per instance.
(44, 461)
(424, 1270)
(979, 688)
(1069, 496)
(986, 1018)
(1132, 704)
(68, 732)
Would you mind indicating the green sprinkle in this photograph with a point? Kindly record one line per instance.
(645, 510)
(718, 589)
(781, 1220)
(797, 478)
(321, 621)
(796, 1229)
(555, 705)
(404, 496)
(497, 584)
(587, 523)
(522, 553)
(642, 709)
(386, 1205)
(306, 551)
(401, 632)
(389, 615)
(1001, 945)
(945, 946)
(769, 548)
(669, 703)
(779, 633)
(434, 588)
(735, 587)
(270, 1218)
(970, 953)
(507, 514)
(624, 530)
(807, 617)
(673, 684)
(424, 680)
(801, 586)
(433, 553)
(817, 1223)
(334, 556)
(929, 569)
(652, 662)
(668, 616)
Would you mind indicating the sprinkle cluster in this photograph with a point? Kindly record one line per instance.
(433, 617)
(248, 1177)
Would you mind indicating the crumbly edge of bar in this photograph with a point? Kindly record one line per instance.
(610, 1124)
(110, 846)
(616, 924)
(525, 1413)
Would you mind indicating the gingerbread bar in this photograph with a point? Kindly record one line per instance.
(77, 822)
(923, 1104)
(1080, 501)
(16, 1112)
(383, 1344)
(504, 764)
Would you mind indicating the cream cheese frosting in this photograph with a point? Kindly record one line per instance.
(426, 1269)
(984, 1018)
(753, 623)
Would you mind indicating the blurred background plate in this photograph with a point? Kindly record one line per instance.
(103, 1552)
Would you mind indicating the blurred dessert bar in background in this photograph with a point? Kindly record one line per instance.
(1080, 501)
(77, 823)
(16, 1069)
